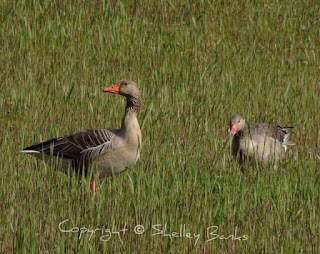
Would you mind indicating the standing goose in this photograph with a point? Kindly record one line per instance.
(263, 142)
(110, 151)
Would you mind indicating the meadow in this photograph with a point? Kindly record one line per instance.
(197, 63)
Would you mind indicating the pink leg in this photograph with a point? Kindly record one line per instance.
(93, 187)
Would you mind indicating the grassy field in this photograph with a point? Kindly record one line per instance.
(197, 63)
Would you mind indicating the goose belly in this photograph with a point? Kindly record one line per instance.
(263, 151)
(116, 161)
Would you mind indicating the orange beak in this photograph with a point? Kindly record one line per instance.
(112, 89)
(233, 129)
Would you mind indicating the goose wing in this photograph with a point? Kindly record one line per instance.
(78, 145)
(275, 132)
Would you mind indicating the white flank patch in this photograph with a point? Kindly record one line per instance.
(29, 151)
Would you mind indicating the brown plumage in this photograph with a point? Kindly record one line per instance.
(110, 151)
(262, 142)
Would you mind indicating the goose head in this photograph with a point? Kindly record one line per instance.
(237, 123)
(124, 87)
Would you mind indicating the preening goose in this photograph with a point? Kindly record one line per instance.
(107, 150)
(264, 142)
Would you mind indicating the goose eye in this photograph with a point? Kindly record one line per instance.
(238, 121)
(125, 84)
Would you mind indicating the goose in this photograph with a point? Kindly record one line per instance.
(262, 142)
(110, 151)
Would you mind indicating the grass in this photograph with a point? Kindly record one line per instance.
(197, 64)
